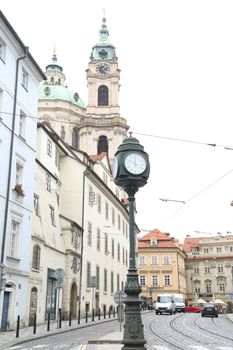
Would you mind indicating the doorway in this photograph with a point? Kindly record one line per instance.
(6, 302)
(33, 306)
(73, 300)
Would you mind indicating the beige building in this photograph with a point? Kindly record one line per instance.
(161, 265)
(209, 267)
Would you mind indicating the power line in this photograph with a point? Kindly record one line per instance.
(229, 148)
(195, 195)
(185, 140)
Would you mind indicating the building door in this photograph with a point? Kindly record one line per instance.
(97, 302)
(33, 306)
(73, 300)
(6, 302)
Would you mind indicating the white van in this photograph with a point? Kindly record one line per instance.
(165, 303)
(180, 303)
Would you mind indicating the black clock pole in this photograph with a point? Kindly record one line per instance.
(133, 328)
(131, 178)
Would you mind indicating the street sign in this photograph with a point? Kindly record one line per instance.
(119, 297)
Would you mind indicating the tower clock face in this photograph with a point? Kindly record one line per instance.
(102, 69)
(135, 163)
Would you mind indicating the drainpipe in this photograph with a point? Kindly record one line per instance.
(26, 51)
(86, 172)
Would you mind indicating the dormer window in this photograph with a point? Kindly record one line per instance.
(153, 242)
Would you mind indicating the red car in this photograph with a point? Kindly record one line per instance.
(193, 309)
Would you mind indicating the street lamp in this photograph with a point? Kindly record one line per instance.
(131, 170)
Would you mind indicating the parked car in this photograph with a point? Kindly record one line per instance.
(209, 310)
(193, 309)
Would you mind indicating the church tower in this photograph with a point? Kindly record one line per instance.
(102, 129)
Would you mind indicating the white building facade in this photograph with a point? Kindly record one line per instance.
(19, 80)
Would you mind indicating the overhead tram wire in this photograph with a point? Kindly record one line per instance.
(185, 140)
(229, 148)
(195, 195)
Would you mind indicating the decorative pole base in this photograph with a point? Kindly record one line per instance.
(133, 338)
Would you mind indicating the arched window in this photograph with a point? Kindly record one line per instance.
(52, 80)
(75, 138)
(36, 257)
(59, 81)
(102, 144)
(103, 96)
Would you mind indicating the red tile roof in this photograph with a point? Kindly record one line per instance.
(190, 243)
(163, 240)
(96, 157)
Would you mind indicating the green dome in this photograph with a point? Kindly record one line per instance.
(60, 92)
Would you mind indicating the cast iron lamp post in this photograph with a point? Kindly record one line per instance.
(131, 170)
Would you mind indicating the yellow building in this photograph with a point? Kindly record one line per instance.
(161, 265)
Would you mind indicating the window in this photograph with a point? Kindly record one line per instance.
(220, 268)
(14, 236)
(75, 138)
(165, 259)
(99, 203)
(36, 257)
(207, 269)
(118, 281)
(48, 182)
(222, 288)
(208, 287)
(231, 249)
(112, 282)
(106, 210)
(1, 102)
(142, 259)
(206, 250)
(36, 204)
(52, 215)
(219, 249)
(91, 199)
(24, 79)
(22, 125)
(118, 251)
(89, 234)
(88, 275)
(106, 243)
(196, 269)
(102, 144)
(49, 148)
(105, 280)
(57, 159)
(97, 277)
(154, 260)
(113, 248)
(123, 255)
(103, 96)
(18, 174)
(123, 227)
(63, 133)
(155, 280)
(113, 216)
(98, 239)
(126, 258)
(119, 222)
(167, 280)
(142, 280)
(2, 50)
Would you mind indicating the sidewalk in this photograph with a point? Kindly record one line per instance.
(8, 339)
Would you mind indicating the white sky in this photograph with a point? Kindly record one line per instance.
(176, 61)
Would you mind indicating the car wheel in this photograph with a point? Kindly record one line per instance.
(216, 316)
(156, 312)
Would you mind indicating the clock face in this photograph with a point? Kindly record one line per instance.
(102, 69)
(114, 167)
(135, 163)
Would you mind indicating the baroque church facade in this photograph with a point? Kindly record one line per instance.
(80, 238)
